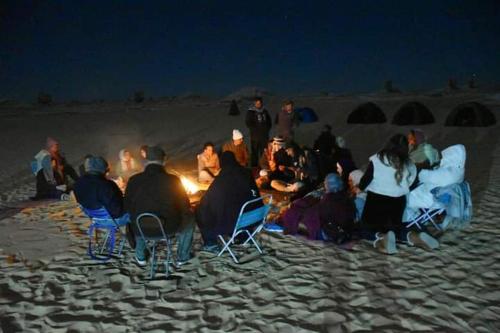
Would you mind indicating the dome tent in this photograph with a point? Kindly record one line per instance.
(413, 113)
(470, 114)
(233, 109)
(367, 113)
(307, 115)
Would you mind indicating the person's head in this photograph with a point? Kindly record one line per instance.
(340, 142)
(288, 106)
(258, 102)
(416, 137)
(333, 183)
(278, 143)
(52, 145)
(96, 165)
(237, 137)
(143, 150)
(208, 149)
(156, 155)
(53, 163)
(354, 179)
(395, 153)
(125, 155)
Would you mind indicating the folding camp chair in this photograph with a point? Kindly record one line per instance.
(102, 220)
(154, 236)
(428, 214)
(256, 217)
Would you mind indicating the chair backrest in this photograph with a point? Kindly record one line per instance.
(99, 213)
(247, 218)
(154, 221)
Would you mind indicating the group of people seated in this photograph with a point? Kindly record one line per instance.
(334, 201)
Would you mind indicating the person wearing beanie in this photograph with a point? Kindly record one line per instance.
(259, 124)
(330, 218)
(62, 166)
(93, 190)
(238, 148)
(158, 192)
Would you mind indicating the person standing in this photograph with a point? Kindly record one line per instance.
(259, 123)
(286, 121)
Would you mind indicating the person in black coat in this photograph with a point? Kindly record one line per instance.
(259, 123)
(158, 192)
(94, 190)
(221, 204)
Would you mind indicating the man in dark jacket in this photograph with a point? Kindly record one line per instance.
(259, 123)
(94, 191)
(286, 121)
(158, 192)
(220, 206)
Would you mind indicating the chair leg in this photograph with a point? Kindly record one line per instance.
(250, 237)
(153, 261)
(105, 242)
(226, 247)
(168, 258)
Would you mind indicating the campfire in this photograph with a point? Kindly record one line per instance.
(189, 186)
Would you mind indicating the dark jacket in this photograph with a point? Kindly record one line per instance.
(325, 143)
(94, 191)
(221, 204)
(285, 123)
(259, 123)
(46, 190)
(158, 192)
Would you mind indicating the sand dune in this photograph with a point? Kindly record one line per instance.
(48, 284)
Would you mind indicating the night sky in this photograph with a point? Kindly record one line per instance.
(108, 49)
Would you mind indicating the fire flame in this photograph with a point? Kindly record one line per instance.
(189, 186)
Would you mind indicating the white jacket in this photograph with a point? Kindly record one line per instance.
(451, 170)
(384, 180)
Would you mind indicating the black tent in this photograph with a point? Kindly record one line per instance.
(470, 114)
(367, 113)
(233, 109)
(413, 113)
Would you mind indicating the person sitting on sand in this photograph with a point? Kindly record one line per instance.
(283, 175)
(94, 190)
(125, 168)
(208, 164)
(158, 192)
(330, 218)
(422, 153)
(62, 165)
(356, 194)
(451, 171)
(387, 181)
(221, 204)
(49, 182)
(267, 156)
(238, 148)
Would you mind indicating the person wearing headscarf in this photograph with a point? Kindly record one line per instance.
(62, 166)
(451, 170)
(356, 194)
(423, 155)
(49, 182)
(221, 204)
(330, 218)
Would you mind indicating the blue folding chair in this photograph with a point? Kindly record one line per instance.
(102, 220)
(256, 217)
(153, 238)
(428, 214)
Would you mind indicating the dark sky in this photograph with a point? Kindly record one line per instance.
(109, 49)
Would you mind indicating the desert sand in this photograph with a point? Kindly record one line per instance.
(48, 284)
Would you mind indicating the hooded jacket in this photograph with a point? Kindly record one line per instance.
(259, 123)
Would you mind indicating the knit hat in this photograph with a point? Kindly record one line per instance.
(95, 164)
(355, 177)
(237, 135)
(333, 183)
(51, 142)
(155, 153)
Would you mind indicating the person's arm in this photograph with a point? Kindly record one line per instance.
(111, 198)
(367, 177)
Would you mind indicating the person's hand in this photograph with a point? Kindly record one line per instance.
(62, 187)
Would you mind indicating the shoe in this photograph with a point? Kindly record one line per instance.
(422, 240)
(385, 243)
(273, 227)
(141, 263)
(215, 249)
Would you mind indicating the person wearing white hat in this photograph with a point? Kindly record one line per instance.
(238, 147)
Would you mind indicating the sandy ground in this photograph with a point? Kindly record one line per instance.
(48, 284)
